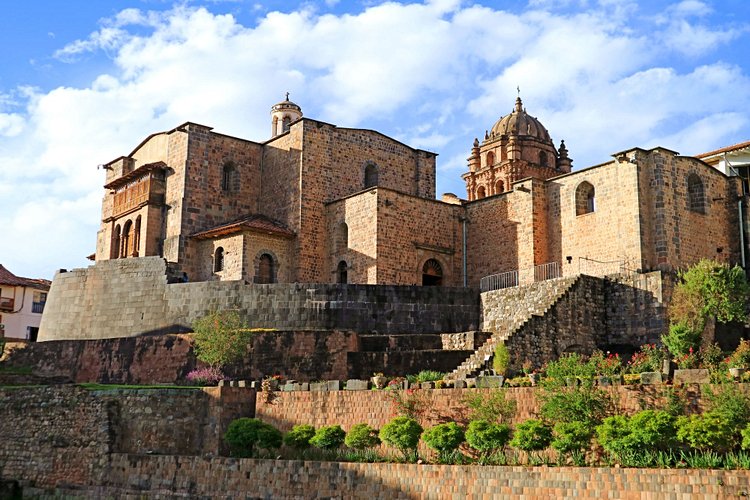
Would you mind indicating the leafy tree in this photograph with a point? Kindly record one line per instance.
(328, 437)
(220, 338)
(299, 437)
(403, 434)
(245, 435)
(487, 437)
(361, 437)
(444, 438)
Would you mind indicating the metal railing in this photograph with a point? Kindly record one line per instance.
(593, 267)
(37, 307)
(508, 279)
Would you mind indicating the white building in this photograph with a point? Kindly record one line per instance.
(21, 305)
(731, 160)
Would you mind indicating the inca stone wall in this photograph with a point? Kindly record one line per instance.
(129, 297)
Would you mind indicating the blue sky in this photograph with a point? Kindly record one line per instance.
(83, 82)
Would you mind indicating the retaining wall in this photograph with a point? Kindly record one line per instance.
(129, 297)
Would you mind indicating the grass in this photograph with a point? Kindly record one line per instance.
(113, 387)
(16, 370)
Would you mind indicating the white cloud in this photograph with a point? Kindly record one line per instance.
(434, 75)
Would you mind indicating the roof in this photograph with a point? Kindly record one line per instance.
(726, 149)
(10, 279)
(518, 122)
(257, 223)
(138, 172)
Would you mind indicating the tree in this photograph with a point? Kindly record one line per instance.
(361, 437)
(244, 435)
(402, 433)
(220, 338)
(444, 438)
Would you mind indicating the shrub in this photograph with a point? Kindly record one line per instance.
(501, 360)
(711, 355)
(299, 437)
(493, 406)
(570, 365)
(705, 432)
(403, 434)
(425, 376)
(648, 359)
(569, 437)
(361, 436)
(531, 435)
(328, 437)
(586, 403)
(245, 435)
(746, 438)
(444, 438)
(740, 358)
(614, 434)
(652, 430)
(681, 339)
(733, 406)
(205, 376)
(606, 364)
(412, 403)
(220, 338)
(487, 437)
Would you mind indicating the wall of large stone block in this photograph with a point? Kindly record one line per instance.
(140, 475)
(129, 297)
(359, 246)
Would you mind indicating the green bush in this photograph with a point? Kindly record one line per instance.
(492, 405)
(733, 406)
(361, 436)
(487, 437)
(425, 376)
(705, 432)
(531, 435)
(328, 437)
(614, 434)
(444, 438)
(403, 434)
(570, 365)
(245, 435)
(586, 402)
(501, 359)
(746, 438)
(652, 430)
(681, 339)
(569, 437)
(299, 437)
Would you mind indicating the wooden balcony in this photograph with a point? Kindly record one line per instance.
(6, 304)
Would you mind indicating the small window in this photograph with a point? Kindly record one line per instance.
(490, 159)
(286, 121)
(219, 260)
(137, 236)
(543, 158)
(127, 239)
(585, 203)
(341, 273)
(499, 187)
(342, 237)
(266, 271)
(227, 177)
(696, 196)
(481, 193)
(114, 252)
(432, 273)
(371, 175)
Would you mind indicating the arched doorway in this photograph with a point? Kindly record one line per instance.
(342, 273)
(432, 273)
(266, 272)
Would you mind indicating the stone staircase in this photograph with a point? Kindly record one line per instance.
(507, 311)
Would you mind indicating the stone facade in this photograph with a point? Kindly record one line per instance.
(353, 205)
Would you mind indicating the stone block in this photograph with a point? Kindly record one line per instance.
(459, 384)
(427, 385)
(318, 386)
(490, 381)
(289, 387)
(651, 378)
(334, 385)
(695, 376)
(357, 385)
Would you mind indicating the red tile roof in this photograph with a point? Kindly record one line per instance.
(724, 150)
(10, 279)
(257, 223)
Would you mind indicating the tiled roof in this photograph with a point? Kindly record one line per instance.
(257, 223)
(143, 169)
(10, 279)
(724, 150)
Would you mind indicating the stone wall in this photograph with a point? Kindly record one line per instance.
(134, 476)
(63, 435)
(129, 297)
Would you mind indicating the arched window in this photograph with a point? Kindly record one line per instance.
(696, 196)
(219, 260)
(114, 251)
(342, 237)
(499, 187)
(127, 239)
(266, 270)
(481, 193)
(371, 175)
(137, 236)
(285, 122)
(543, 158)
(432, 273)
(490, 159)
(227, 177)
(341, 272)
(585, 198)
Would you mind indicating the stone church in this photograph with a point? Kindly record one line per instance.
(317, 203)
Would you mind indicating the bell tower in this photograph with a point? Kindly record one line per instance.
(282, 115)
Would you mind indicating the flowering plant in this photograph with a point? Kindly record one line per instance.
(740, 358)
(688, 360)
(205, 376)
(648, 359)
(606, 364)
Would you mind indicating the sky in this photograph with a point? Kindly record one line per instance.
(82, 83)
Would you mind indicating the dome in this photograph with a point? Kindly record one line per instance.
(520, 123)
(286, 105)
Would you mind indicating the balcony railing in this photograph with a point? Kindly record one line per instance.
(37, 307)
(6, 303)
(509, 279)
